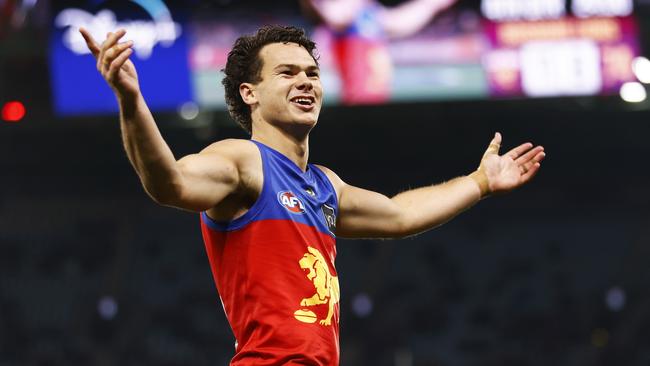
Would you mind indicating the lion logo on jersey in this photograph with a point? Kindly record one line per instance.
(327, 287)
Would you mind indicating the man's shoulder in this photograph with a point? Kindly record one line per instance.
(230, 145)
(238, 150)
(333, 177)
(245, 156)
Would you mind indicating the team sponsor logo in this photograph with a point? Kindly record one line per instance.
(330, 217)
(291, 202)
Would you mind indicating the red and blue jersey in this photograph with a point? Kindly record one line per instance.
(274, 268)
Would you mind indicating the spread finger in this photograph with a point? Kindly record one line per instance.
(114, 52)
(111, 40)
(528, 155)
(118, 62)
(90, 42)
(519, 150)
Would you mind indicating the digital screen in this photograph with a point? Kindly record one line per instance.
(541, 48)
(442, 61)
(372, 54)
(160, 57)
(568, 56)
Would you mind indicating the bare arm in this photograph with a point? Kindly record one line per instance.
(197, 182)
(410, 17)
(366, 214)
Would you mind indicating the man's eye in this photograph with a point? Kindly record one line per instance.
(314, 75)
(285, 72)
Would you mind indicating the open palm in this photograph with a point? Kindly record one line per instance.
(512, 169)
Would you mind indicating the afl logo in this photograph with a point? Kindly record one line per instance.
(291, 202)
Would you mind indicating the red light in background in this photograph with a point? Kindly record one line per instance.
(13, 111)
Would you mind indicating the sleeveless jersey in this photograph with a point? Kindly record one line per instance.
(274, 268)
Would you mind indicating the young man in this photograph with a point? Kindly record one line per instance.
(269, 218)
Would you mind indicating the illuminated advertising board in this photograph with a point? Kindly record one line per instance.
(160, 57)
(502, 48)
(537, 50)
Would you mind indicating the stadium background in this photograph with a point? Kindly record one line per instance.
(94, 273)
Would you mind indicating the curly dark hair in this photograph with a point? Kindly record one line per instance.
(244, 65)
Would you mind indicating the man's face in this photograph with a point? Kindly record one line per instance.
(290, 91)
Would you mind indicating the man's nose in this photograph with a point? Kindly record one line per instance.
(304, 82)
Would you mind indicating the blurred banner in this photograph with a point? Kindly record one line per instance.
(380, 54)
(160, 56)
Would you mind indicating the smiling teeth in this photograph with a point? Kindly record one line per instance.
(301, 100)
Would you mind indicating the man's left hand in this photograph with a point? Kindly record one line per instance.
(511, 170)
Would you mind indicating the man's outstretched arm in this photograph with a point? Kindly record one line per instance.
(367, 214)
(197, 182)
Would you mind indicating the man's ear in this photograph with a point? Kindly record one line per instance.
(247, 92)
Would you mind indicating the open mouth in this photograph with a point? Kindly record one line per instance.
(303, 102)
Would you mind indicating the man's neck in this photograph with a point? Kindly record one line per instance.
(293, 146)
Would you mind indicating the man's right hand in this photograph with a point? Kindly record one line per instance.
(114, 64)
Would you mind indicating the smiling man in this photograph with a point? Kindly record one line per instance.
(269, 218)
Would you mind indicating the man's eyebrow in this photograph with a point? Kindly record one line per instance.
(294, 66)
